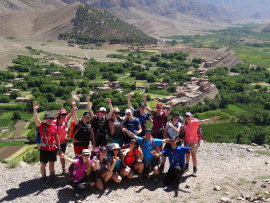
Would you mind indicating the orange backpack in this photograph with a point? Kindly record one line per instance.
(73, 132)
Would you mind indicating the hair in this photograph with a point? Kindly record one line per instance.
(119, 154)
(88, 170)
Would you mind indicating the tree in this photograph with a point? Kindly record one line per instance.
(171, 88)
(151, 78)
(133, 86)
(113, 78)
(15, 94)
(17, 115)
(153, 86)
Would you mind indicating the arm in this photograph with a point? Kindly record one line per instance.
(170, 110)
(140, 155)
(165, 141)
(93, 137)
(145, 99)
(72, 111)
(109, 115)
(138, 131)
(58, 143)
(130, 134)
(151, 120)
(35, 107)
(89, 108)
(193, 148)
(176, 130)
(76, 120)
(96, 162)
(73, 161)
(111, 127)
(110, 165)
(149, 110)
(208, 120)
(129, 105)
(166, 132)
(123, 158)
(156, 154)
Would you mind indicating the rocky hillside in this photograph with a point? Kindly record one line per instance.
(19, 5)
(263, 29)
(226, 173)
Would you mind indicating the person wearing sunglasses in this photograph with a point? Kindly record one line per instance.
(98, 123)
(140, 114)
(115, 155)
(191, 137)
(176, 156)
(131, 124)
(115, 128)
(62, 130)
(48, 141)
(83, 170)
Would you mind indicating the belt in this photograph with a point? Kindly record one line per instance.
(63, 141)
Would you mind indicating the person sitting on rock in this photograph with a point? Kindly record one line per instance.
(84, 170)
(191, 137)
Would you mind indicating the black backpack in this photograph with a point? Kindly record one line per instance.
(134, 124)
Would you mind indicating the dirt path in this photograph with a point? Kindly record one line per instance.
(5, 152)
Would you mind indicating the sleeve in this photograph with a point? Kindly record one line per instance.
(136, 151)
(138, 122)
(66, 119)
(109, 156)
(167, 124)
(140, 140)
(41, 128)
(186, 150)
(164, 152)
(147, 116)
(91, 162)
(157, 142)
(195, 122)
(135, 113)
(125, 123)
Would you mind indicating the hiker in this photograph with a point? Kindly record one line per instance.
(173, 128)
(116, 154)
(82, 135)
(159, 123)
(140, 114)
(148, 145)
(98, 123)
(84, 170)
(115, 128)
(176, 156)
(62, 130)
(129, 160)
(49, 141)
(105, 171)
(191, 138)
(131, 124)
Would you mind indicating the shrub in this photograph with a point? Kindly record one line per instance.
(17, 115)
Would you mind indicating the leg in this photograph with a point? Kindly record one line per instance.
(106, 175)
(169, 177)
(116, 177)
(194, 159)
(51, 167)
(43, 168)
(125, 172)
(178, 173)
(139, 166)
(99, 184)
(156, 170)
(79, 186)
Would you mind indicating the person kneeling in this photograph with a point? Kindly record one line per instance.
(176, 156)
(78, 172)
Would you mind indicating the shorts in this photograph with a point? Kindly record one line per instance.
(63, 147)
(117, 169)
(191, 144)
(78, 149)
(101, 139)
(158, 135)
(48, 156)
(151, 167)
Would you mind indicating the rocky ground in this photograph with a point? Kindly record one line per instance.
(226, 173)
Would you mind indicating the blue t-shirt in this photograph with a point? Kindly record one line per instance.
(147, 148)
(102, 165)
(132, 126)
(143, 118)
(118, 162)
(176, 156)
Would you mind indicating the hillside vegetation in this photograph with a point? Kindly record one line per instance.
(93, 25)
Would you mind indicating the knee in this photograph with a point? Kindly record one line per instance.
(118, 179)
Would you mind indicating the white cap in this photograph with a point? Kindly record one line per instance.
(102, 109)
(127, 111)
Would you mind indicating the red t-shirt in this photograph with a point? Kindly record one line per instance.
(191, 131)
(131, 158)
(62, 129)
(49, 136)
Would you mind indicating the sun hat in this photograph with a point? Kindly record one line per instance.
(85, 152)
(115, 146)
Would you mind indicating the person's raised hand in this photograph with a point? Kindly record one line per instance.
(72, 101)
(128, 96)
(35, 105)
(88, 99)
(108, 100)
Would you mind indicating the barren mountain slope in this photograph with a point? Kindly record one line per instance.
(263, 29)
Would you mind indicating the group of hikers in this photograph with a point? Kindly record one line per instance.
(135, 149)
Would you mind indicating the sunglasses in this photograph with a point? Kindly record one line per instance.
(116, 149)
(102, 111)
(63, 114)
(116, 112)
(86, 155)
(49, 118)
(133, 143)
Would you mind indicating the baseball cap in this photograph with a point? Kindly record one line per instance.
(148, 130)
(48, 115)
(142, 104)
(159, 105)
(188, 114)
(176, 115)
(102, 149)
(86, 114)
(63, 111)
(132, 140)
(127, 111)
(173, 138)
(102, 109)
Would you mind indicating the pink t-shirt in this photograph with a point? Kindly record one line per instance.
(62, 129)
(191, 131)
(79, 173)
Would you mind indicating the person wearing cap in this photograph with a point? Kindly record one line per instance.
(105, 171)
(140, 114)
(131, 124)
(98, 123)
(148, 146)
(176, 156)
(62, 130)
(191, 137)
(83, 171)
(159, 123)
(115, 128)
(82, 135)
(49, 140)
(129, 161)
(115, 155)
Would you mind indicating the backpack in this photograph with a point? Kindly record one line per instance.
(71, 169)
(134, 124)
(73, 132)
(164, 119)
(152, 143)
(94, 152)
(97, 121)
(39, 138)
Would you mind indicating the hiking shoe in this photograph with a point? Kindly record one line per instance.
(140, 177)
(186, 168)
(64, 171)
(43, 179)
(194, 171)
(92, 189)
(161, 168)
(105, 185)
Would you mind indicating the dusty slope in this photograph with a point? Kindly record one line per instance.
(232, 167)
(37, 25)
(263, 29)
